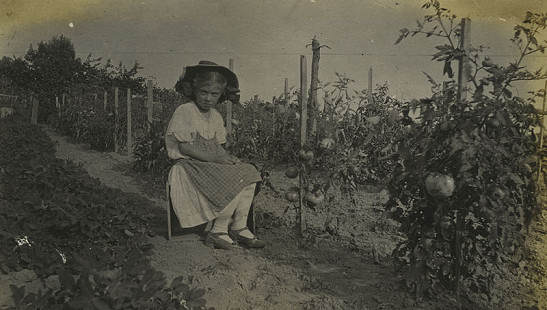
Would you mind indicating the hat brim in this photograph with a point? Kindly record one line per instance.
(190, 72)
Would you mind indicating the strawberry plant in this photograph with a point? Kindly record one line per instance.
(60, 223)
(464, 189)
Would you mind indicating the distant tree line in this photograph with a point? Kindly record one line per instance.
(52, 69)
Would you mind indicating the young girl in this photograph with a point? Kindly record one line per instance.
(206, 182)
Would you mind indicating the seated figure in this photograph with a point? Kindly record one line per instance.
(206, 182)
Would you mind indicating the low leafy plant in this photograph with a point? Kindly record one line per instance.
(60, 223)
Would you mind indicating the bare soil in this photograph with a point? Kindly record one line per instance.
(342, 263)
(331, 268)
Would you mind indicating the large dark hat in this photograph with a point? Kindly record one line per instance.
(184, 84)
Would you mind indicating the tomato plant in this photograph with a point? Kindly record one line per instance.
(265, 131)
(360, 135)
(484, 150)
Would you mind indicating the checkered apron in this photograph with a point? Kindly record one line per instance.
(219, 183)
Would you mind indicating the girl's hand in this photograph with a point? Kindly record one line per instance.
(226, 160)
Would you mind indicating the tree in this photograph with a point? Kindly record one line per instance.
(53, 67)
(14, 75)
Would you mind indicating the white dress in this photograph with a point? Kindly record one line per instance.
(190, 205)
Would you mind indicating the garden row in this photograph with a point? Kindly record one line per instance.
(461, 178)
(87, 243)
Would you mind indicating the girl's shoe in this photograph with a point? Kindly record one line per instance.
(213, 240)
(248, 242)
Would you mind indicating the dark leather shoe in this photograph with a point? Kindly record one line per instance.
(213, 240)
(248, 242)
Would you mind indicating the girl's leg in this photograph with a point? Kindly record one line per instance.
(238, 209)
(241, 211)
(223, 220)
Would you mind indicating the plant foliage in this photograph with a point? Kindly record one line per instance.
(487, 145)
(68, 228)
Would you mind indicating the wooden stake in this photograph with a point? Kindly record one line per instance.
(229, 110)
(286, 94)
(58, 106)
(129, 129)
(34, 115)
(168, 207)
(464, 68)
(116, 119)
(303, 100)
(313, 84)
(301, 207)
(303, 134)
(541, 132)
(369, 95)
(150, 105)
(463, 78)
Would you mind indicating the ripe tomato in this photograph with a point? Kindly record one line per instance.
(445, 225)
(440, 185)
(305, 155)
(488, 63)
(291, 172)
(494, 122)
(392, 117)
(446, 222)
(292, 196)
(353, 169)
(374, 120)
(488, 215)
(445, 126)
(314, 198)
(498, 193)
(326, 143)
(427, 243)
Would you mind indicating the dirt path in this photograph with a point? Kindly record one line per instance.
(332, 269)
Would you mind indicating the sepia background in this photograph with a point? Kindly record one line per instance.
(265, 38)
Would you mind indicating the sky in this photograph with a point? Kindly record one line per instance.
(265, 38)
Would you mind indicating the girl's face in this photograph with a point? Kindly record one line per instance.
(207, 95)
